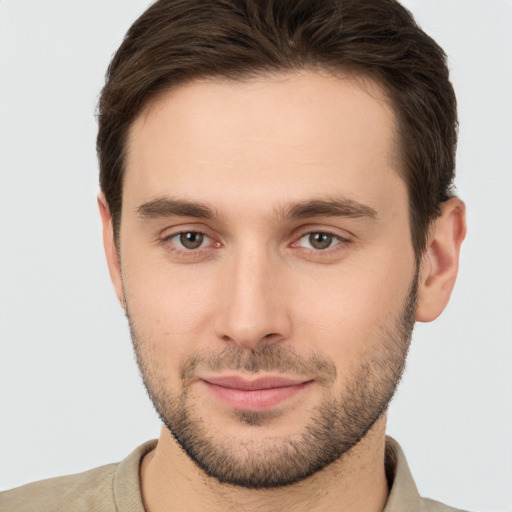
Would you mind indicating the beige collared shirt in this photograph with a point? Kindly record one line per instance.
(116, 488)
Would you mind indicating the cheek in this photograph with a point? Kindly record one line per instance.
(170, 306)
(345, 315)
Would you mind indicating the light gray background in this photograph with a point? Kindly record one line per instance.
(70, 395)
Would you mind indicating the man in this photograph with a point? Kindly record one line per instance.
(277, 210)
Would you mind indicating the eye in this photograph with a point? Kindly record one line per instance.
(190, 240)
(319, 240)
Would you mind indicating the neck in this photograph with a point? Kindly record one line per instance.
(355, 482)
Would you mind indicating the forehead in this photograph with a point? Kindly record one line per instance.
(271, 138)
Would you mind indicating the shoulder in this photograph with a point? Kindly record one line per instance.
(87, 491)
(429, 505)
(105, 489)
(404, 495)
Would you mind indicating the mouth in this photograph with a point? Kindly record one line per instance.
(254, 395)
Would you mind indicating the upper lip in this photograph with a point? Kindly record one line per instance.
(266, 382)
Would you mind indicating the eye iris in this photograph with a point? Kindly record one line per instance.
(191, 240)
(320, 240)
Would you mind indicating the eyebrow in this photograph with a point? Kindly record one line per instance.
(330, 208)
(168, 207)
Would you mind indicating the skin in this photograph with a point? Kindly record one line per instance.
(250, 151)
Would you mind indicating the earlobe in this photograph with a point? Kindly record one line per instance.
(440, 261)
(111, 250)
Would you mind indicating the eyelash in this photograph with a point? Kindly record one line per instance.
(340, 243)
(183, 251)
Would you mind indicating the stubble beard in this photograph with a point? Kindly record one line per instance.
(336, 425)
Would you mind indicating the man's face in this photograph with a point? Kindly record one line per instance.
(267, 269)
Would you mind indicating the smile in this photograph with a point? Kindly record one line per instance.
(254, 395)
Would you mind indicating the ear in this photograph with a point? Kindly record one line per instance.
(113, 262)
(440, 261)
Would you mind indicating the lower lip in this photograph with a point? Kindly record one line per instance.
(256, 399)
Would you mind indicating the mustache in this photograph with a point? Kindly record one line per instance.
(269, 358)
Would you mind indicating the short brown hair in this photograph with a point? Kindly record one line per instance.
(176, 41)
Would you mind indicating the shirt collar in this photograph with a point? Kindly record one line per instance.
(403, 496)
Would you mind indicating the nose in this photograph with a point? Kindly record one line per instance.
(253, 306)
